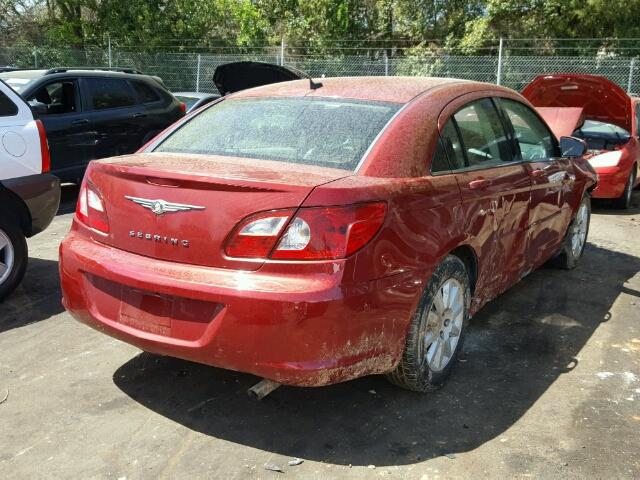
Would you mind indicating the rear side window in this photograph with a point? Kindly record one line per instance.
(535, 140)
(146, 94)
(440, 163)
(326, 132)
(7, 107)
(109, 93)
(483, 136)
(453, 146)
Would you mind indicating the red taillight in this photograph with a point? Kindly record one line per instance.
(316, 233)
(44, 147)
(90, 208)
(183, 107)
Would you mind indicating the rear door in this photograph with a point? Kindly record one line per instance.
(67, 125)
(550, 175)
(117, 122)
(495, 191)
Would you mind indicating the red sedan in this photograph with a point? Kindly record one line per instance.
(605, 116)
(314, 233)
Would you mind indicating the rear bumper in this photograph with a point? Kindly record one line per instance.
(41, 195)
(302, 330)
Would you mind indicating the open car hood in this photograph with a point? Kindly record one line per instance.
(235, 76)
(563, 121)
(599, 98)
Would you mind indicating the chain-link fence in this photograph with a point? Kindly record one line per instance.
(194, 71)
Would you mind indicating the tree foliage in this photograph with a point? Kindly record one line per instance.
(312, 25)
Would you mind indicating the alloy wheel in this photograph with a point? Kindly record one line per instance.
(579, 231)
(444, 324)
(7, 257)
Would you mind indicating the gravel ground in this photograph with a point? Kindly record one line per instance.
(549, 386)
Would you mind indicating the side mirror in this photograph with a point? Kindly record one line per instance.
(572, 147)
(39, 108)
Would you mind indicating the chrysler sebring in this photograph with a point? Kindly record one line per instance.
(310, 233)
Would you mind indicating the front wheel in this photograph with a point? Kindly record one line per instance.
(437, 330)
(576, 237)
(624, 201)
(13, 257)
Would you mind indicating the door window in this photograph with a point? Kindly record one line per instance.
(107, 93)
(7, 107)
(58, 97)
(484, 140)
(535, 140)
(146, 94)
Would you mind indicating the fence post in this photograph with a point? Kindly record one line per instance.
(35, 58)
(109, 46)
(386, 64)
(499, 79)
(198, 75)
(630, 81)
(282, 51)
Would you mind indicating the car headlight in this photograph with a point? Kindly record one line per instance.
(607, 159)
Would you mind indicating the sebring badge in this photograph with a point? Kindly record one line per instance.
(160, 207)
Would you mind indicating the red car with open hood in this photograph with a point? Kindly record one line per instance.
(605, 116)
(311, 233)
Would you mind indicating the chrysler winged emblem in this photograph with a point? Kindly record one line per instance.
(160, 207)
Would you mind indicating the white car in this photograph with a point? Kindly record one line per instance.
(29, 196)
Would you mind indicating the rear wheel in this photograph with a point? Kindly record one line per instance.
(576, 237)
(624, 201)
(437, 330)
(13, 257)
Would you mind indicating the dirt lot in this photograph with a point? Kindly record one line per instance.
(549, 387)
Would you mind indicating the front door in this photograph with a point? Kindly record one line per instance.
(550, 176)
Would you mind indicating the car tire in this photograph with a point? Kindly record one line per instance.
(624, 201)
(437, 329)
(576, 237)
(14, 256)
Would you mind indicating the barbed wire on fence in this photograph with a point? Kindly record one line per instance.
(194, 70)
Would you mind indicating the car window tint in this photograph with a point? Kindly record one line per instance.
(109, 93)
(7, 107)
(453, 146)
(58, 97)
(318, 131)
(535, 140)
(483, 136)
(146, 94)
(440, 163)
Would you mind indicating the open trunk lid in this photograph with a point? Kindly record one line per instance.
(213, 194)
(235, 76)
(599, 97)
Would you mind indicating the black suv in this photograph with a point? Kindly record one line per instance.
(89, 114)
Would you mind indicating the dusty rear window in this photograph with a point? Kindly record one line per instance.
(319, 131)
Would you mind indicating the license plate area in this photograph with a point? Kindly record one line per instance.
(146, 311)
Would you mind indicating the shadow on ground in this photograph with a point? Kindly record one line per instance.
(516, 348)
(36, 298)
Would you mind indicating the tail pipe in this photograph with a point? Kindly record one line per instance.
(263, 388)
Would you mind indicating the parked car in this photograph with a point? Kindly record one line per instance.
(195, 100)
(326, 231)
(29, 196)
(91, 114)
(605, 116)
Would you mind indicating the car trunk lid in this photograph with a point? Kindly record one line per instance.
(181, 208)
(599, 97)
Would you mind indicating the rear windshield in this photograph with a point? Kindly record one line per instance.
(602, 136)
(319, 131)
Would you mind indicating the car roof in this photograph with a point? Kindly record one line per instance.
(384, 89)
(34, 74)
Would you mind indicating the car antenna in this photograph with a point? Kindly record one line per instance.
(314, 85)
